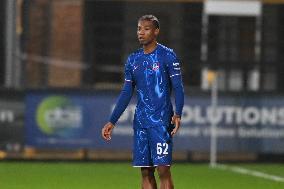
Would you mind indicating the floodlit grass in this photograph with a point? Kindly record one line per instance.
(68, 175)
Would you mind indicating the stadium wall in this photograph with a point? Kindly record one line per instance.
(52, 43)
(85, 43)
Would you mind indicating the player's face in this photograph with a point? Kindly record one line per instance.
(146, 32)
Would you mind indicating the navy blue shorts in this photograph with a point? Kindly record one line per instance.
(152, 147)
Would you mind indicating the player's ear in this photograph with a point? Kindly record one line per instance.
(157, 31)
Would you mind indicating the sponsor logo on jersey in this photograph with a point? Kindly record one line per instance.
(176, 66)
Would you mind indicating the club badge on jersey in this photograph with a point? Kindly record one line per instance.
(155, 66)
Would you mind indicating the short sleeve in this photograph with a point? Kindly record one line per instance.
(173, 65)
(128, 71)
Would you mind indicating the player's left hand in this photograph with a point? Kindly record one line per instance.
(176, 122)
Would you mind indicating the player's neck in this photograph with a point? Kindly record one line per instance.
(150, 47)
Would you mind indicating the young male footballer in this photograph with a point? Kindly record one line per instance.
(154, 71)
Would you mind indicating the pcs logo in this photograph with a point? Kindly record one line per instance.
(57, 115)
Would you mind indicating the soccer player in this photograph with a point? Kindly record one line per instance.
(154, 70)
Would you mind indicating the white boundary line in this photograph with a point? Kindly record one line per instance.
(254, 173)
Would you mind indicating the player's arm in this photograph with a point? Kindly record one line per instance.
(122, 101)
(179, 94)
(177, 85)
(179, 102)
(121, 104)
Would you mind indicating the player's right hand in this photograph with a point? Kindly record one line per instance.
(107, 131)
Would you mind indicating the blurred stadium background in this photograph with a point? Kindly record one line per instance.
(62, 64)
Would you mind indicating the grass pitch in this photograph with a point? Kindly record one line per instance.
(68, 175)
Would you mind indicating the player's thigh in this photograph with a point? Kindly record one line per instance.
(161, 146)
(141, 149)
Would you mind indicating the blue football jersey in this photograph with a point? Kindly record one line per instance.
(152, 74)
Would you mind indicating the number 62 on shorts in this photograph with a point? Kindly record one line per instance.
(162, 148)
